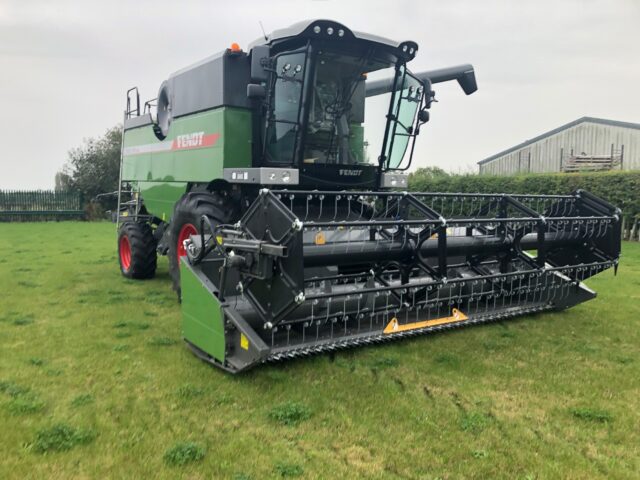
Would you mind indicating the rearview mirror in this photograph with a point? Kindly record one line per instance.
(259, 54)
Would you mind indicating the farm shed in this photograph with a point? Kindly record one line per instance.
(586, 144)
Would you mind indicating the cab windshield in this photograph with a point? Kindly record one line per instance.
(335, 131)
(331, 94)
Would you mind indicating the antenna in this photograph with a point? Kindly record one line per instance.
(263, 32)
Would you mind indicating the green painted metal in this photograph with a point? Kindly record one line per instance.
(232, 148)
(202, 315)
(162, 169)
(160, 197)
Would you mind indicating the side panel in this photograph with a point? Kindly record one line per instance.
(160, 197)
(237, 139)
(197, 149)
(202, 317)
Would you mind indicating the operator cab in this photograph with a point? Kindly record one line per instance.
(312, 113)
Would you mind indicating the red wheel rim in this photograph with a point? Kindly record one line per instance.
(125, 253)
(186, 230)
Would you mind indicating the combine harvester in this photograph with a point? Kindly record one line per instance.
(252, 173)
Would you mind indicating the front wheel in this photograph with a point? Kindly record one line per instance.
(137, 250)
(218, 206)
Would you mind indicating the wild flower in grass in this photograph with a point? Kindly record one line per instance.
(184, 452)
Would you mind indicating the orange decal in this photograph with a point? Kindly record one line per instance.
(395, 327)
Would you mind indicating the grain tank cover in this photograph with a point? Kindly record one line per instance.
(216, 81)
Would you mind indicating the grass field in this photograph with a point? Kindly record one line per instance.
(95, 382)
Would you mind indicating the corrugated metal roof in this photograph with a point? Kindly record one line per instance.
(601, 121)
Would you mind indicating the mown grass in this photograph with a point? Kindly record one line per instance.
(549, 396)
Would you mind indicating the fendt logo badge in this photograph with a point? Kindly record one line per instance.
(190, 140)
(350, 173)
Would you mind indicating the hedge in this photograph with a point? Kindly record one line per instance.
(619, 188)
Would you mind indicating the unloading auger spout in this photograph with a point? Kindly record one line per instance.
(463, 74)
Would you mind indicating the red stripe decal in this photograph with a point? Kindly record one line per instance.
(188, 141)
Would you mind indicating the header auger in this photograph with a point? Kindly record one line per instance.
(286, 238)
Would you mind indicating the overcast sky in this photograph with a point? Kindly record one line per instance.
(65, 66)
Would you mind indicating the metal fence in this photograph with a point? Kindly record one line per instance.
(39, 205)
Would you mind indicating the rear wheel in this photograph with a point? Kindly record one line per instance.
(218, 206)
(137, 250)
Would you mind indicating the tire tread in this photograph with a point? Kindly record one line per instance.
(144, 258)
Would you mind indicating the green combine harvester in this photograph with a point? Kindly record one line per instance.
(275, 181)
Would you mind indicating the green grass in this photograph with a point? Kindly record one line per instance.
(287, 470)
(60, 437)
(289, 413)
(592, 414)
(182, 453)
(549, 396)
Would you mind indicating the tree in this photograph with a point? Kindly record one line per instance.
(94, 167)
(430, 172)
(64, 181)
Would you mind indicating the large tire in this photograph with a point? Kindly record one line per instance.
(218, 206)
(137, 250)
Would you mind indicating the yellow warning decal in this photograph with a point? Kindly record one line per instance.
(244, 342)
(320, 240)
(395, 327)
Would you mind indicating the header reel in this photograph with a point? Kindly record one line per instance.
(309, 271)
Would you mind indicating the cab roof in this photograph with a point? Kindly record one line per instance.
(330, 29)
